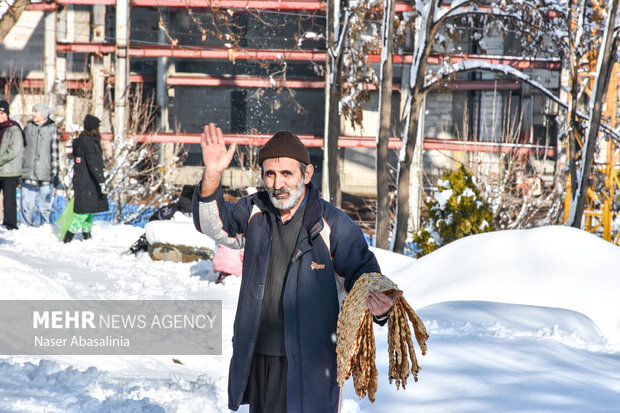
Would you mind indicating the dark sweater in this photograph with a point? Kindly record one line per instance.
(271, 331)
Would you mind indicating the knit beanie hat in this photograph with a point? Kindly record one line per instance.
(284, 145)
(43, 109)
(4, 106)
(91, 122)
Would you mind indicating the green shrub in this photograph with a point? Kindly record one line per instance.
(455, 211)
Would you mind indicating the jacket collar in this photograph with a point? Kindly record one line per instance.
(314, 211)
(47, 122)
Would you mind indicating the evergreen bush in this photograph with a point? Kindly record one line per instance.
(456, 210)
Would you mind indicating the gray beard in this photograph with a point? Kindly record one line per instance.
(294, 196)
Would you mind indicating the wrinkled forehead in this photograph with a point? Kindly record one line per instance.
(281, 164)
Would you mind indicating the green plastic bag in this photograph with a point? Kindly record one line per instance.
(64, 220)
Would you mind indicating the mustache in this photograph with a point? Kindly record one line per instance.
(281, 191)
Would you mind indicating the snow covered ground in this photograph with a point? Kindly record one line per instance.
(519, 321)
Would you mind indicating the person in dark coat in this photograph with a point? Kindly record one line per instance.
(88, 180)
(301, 256)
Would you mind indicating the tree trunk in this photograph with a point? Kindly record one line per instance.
(383, 134)
(332, 132)
(575, 56)
(424, 34)
(333, 66)
(404, 167)
(603, 71)
(11, 16)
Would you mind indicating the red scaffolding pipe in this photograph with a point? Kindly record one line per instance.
(242, 81)
(225, 53)
(244, 4)
(258, 82)
(232, 4)
(85, 47)
(205, 4)
(311, 141)
(41, 6)
(214, 52)
(37, 83)
(315, 141)
(235, 4)
(88, 2)
(220, 52)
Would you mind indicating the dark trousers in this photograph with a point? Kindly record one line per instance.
(267, 384)
(8, 186)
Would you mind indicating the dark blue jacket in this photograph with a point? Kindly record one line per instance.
(331, 254)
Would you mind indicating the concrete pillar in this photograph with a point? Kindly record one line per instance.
(162, 73)
(121, 82)
(49, 57)
(528, 111)
(61, 67)
(561, 161)
(164, 149)
(97, 74)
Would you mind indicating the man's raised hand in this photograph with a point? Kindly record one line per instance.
(214, 153)
(215, 156)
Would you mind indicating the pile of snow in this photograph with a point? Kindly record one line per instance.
(518, 321)
(553, 267)
(179, 230)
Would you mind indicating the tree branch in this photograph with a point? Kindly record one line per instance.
(471, 65)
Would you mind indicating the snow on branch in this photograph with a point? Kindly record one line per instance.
(440, 14)
(448, 70)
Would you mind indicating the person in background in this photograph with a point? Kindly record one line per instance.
(88, 180)
(227, 261)
(12, 143)
(39, 167)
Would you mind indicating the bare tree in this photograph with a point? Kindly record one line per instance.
(529, 18)
(135, 173)
(511, 179)
(352, 35)
(384, 127)
(8, 19)
(336, 30)
(605, 63)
